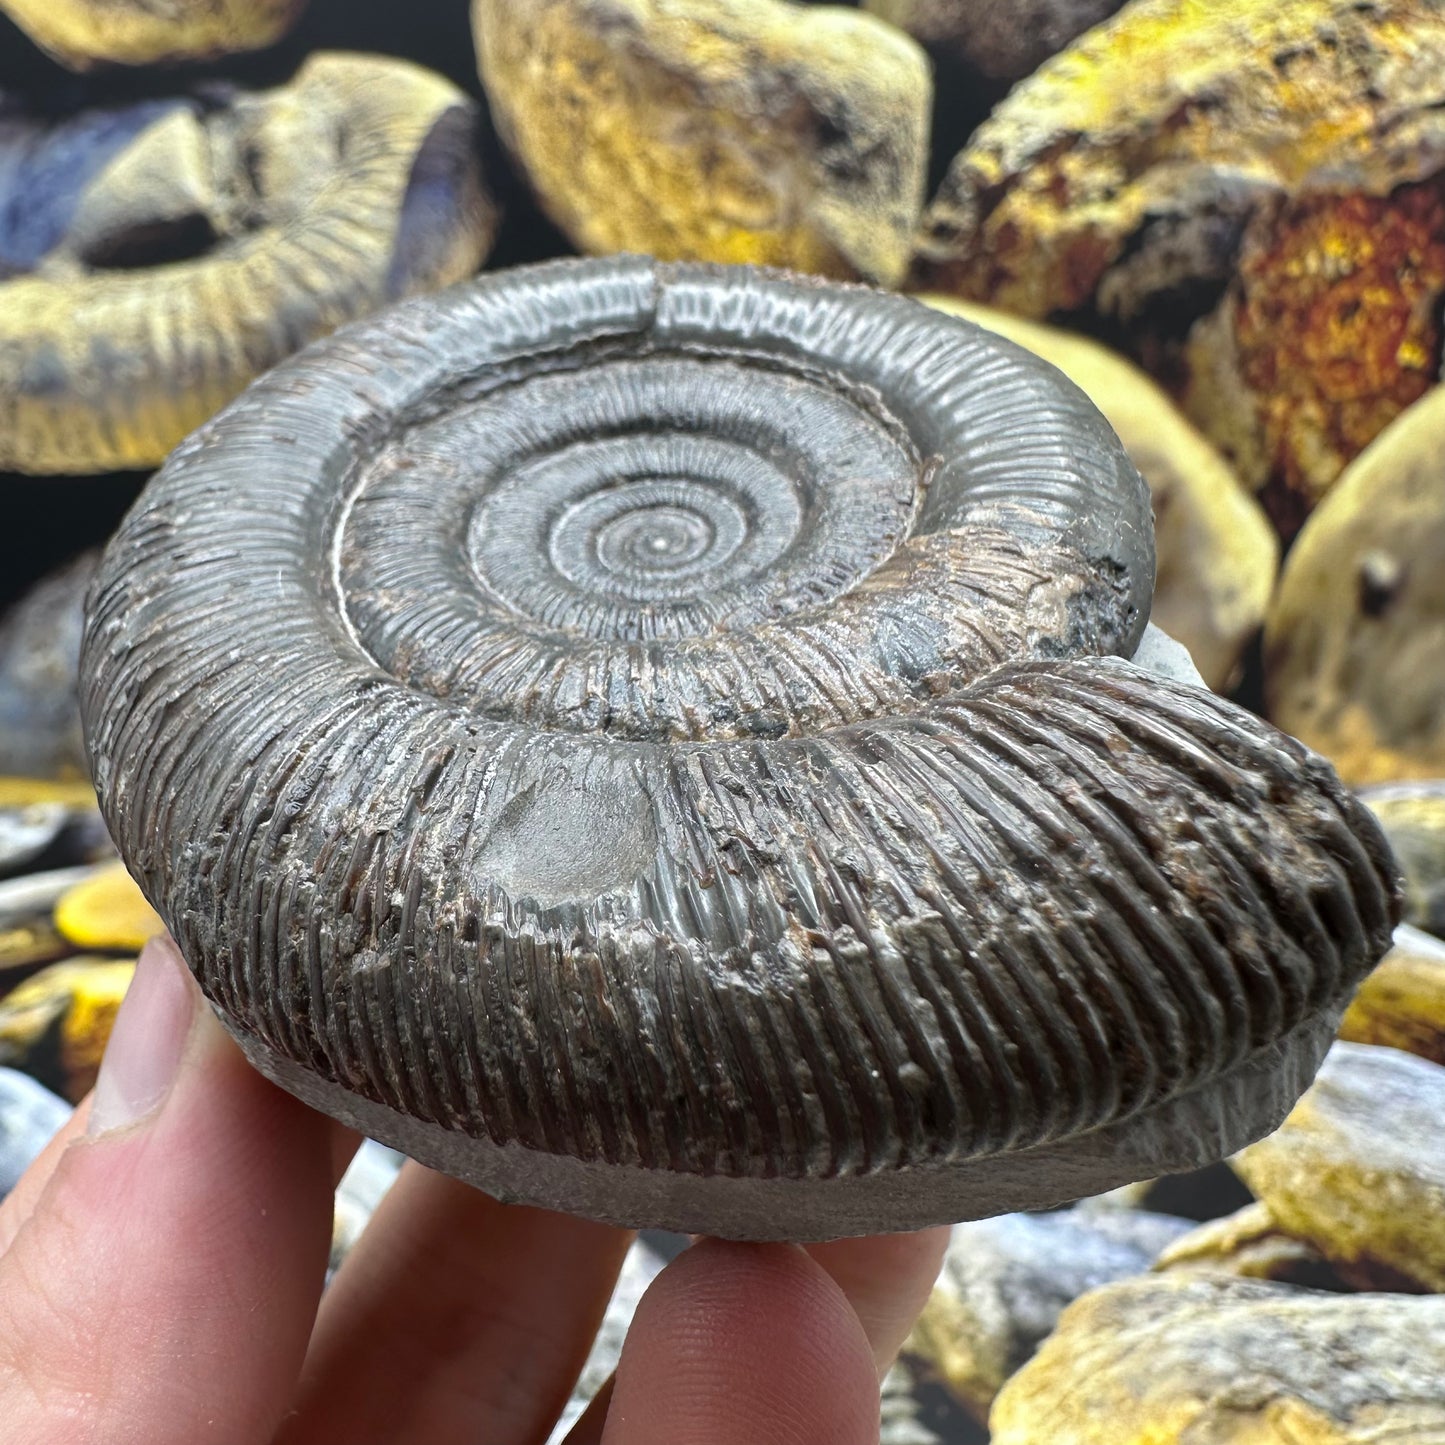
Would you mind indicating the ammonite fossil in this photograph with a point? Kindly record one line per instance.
(86, 33)
(655, 740)
(154, 259)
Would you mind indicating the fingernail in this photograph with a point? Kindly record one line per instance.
(146, 1042)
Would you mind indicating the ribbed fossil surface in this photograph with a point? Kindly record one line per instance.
(157, 257)
(653, 740)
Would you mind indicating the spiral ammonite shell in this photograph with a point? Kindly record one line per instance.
(156, 257)
(645, 739)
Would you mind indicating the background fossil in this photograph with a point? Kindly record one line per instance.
(1356, 1171)
(1356, 631)
(83, 33)
(1000, 38)
(662, 815)
(168, 251)
(1217, 555)
(1271, 172)
(1175, 1359)
(742, 131)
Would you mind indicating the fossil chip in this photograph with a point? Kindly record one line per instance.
(655, 740)
(1005, 1282)
(1358, 1170)
(736, 130)
(1272, 173)
(1004, 39)
(155, 258)
(1185, 1360)
(1413, 817)
(1355, 637)
(1217, 554)
(1402, 1001)
(85, 33)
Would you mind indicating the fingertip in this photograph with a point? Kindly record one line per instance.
(744, 1342)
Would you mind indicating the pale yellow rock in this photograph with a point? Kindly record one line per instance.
(1402, 1002)
(1185, 1359)
(85, 33)
(1355, 638)
(733, 130)
(107, 912)
(1217, 555)
(1358, 1167)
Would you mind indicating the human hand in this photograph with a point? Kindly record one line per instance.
(161, 1268)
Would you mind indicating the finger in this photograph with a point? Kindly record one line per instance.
(164, 1286)
(19, 1204)
(454, 1319)
(887, 1280)
(737, 1342)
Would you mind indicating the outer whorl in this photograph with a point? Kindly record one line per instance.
(155, 258)
(643, 738)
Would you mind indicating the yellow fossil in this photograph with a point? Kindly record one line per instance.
(740, 131)
(294, 210)
(86, 33)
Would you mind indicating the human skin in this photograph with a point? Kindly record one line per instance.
(161, 1268)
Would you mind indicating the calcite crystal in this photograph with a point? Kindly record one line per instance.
(739, 130)
(1180, 1359)
(1253, 193)
(1217, 554)
(1358, 1170)
(1356, 632)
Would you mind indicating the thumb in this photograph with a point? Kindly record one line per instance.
(163, 1288)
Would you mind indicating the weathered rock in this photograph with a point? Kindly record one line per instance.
(1250, 1244)
(1274, 173)
(1217, 554)
(86, 33)
(739, 130)
(1002, 39)
(1180, 1359)
(1358, 1168)
(1402, 1003)
(1354, 644)
(56, 1024)
(1005, 1281)
(107, 912)
(1413, 817)
(29, 1115)
(1198, 1194)
(39, 659)
(156, 257)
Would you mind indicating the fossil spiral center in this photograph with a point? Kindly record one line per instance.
(520, 548)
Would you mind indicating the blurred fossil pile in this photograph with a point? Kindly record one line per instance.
(1224, 220)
